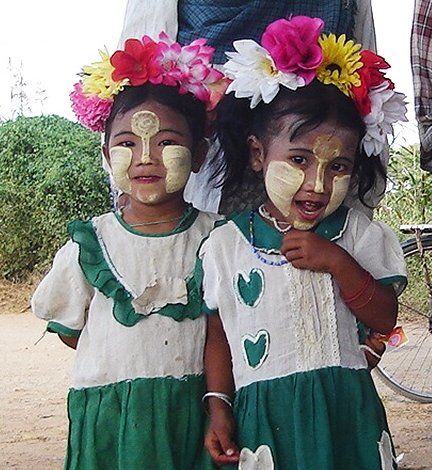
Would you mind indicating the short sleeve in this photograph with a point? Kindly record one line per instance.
(64, 295)
(378, 251)
(206, 275)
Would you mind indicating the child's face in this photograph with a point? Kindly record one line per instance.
(306, 178)
(150, 153)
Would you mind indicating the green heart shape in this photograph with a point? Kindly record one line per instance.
(255, 348)
(249, 288)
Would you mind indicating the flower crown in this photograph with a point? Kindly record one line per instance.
(294, 52)
(142, 61)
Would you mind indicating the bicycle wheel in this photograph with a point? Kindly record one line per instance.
(407, 369)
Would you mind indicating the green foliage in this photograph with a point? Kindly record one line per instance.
(409, 196)
(50, 173)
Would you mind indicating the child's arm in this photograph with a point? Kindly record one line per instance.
(70, 341)
(373, 303)
(218, 369)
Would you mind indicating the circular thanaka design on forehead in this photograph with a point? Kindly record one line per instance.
(121, 158)
(145, 124)
(177, 160)
(282, 181)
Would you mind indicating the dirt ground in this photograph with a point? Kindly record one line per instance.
(35, 377)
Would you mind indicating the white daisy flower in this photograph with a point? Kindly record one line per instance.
(255, 75)
(387, 108)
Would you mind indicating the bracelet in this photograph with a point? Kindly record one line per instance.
(222, 396)
(367, 348)
(360, 292)
(358, 307)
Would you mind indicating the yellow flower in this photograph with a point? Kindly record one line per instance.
(341, 60)
(97, 78)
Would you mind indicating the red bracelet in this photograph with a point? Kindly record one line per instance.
(360, 292)
(358, 307)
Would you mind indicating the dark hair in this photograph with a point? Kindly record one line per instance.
(316, 103)
(187, 105)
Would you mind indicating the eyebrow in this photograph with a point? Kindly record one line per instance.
(118, 134)
(174, 131)
(296, 149)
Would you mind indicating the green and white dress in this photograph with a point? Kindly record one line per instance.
(138, 375)
(305, 399)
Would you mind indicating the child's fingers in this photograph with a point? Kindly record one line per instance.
(373, 349)
(221, 454)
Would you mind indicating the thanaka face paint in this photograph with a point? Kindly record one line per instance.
(121, 158)
(178, 163)
(145, 124)
(284, 180)
(177, 160)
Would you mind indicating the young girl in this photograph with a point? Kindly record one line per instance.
(121, 290)
(287, 283)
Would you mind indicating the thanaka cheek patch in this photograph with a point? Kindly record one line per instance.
(178, 161)
(339, 191)
(145, 124)
(282, 181)
(121, 158)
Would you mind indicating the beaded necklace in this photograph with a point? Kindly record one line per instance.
(255, 250)
(263, 212)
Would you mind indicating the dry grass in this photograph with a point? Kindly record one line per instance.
(15, 297)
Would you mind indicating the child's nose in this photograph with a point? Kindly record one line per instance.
(315, 179)
(145, 157)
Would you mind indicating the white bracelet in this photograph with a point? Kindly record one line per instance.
(365, 347)
(222, 396)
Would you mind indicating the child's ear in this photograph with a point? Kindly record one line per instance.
(199, 155)
(256, 153)
(106, 154)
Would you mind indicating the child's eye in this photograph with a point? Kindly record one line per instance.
(126, 143)
(299, 160)
(339, 167)
(166, 142)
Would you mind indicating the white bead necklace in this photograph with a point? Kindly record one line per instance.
(280, 225)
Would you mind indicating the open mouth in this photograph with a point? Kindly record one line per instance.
(309, 210)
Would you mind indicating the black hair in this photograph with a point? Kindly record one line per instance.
(187, 105)
(316, 102)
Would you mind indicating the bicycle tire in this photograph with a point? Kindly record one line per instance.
(407, 369)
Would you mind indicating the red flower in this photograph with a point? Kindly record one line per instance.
(137, 62)
(371, 76)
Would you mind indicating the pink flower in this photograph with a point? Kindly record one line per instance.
(187, 66)
(293, 45)
(137, 62)
(91, 111)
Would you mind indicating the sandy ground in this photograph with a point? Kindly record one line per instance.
(35, 377)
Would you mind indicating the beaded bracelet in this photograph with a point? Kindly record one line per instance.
(222, 396)
(360, 292)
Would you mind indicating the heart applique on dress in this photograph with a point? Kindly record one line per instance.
(249, 288)
(255, 348)
(261, 459)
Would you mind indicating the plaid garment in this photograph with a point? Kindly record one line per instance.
(224, 21)
(421, 64)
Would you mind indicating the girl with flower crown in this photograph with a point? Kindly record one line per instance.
(121, 291)
(291, 286)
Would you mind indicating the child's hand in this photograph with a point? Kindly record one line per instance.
(307, 250)
(219, 440)
(378, 347)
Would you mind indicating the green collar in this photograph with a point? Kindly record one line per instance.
(189, 216)
(267, 237)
